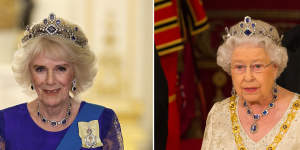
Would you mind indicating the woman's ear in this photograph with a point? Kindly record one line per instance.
(276, 69)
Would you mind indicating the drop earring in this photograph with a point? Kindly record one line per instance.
(74, 85)
(233, 92)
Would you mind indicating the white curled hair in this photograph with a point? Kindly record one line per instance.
(83, 60)
(277, 53)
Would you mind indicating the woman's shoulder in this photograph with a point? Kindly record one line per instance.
(105, 111)
(219, 115)
(20, 108)
(96, 106)
(221, 105)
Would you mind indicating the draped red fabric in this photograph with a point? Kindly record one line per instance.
(187, 90)
(169, 40)
(169, 65)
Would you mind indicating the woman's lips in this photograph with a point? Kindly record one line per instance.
(250, 90)
(51, 91)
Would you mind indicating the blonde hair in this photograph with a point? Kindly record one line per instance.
(82, 59)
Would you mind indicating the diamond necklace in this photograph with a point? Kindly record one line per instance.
(256, 117)
(55, 123)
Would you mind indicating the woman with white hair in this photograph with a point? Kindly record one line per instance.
(259, 114)
(55, 63)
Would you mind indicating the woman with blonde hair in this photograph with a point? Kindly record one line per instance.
(55, 64)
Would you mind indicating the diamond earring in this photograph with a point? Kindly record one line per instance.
(275, 91)
(233, 92)
(74, 85)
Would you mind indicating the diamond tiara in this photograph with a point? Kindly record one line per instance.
(53, 26)
(250, 27)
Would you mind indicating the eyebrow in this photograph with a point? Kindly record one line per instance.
(34, 66)
(241, 61)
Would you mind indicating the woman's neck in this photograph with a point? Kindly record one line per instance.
(261, 104)
(56, 112)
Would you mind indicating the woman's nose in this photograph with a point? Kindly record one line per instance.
(249, 74)
(50, 77)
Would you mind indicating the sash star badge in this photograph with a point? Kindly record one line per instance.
(89, 134)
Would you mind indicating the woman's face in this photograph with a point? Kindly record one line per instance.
(254, 83)
(52, 79)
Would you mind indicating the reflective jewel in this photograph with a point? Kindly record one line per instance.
(247, 32)
(58, 22)
(90, 139)
(45, 21)
(270, 148)
(73, 38)
(241, 25)
(253, 128)
(55, 26)
(296, 106)
(265, 112)
(247, 19)
(284, 126)
(51, 29)
(256, 116)
(249, 111)
(64, 121)
(52, 16)
(89, 134)
(27, 28)
(53, 123)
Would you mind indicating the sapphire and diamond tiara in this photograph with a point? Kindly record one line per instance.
(250, 27)
(53, 26)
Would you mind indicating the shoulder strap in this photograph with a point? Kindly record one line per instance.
(87, 113)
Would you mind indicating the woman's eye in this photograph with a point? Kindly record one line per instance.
(62, 68)
(239, 66)
(39, 69)
(258, 66)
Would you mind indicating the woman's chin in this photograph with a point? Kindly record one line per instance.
(51, 101)
(251, 98)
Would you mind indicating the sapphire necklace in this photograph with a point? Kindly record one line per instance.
(55, 123)
(265, 112)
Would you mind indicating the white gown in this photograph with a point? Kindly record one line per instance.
(218, 133)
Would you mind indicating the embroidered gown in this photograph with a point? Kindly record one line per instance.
(21, 133)
(219, 133)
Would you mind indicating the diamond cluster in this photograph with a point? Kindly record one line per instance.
(249, 27)
(53, 26)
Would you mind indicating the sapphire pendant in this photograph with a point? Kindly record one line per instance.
(253, 128)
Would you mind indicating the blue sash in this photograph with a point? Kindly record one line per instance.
(71, 139)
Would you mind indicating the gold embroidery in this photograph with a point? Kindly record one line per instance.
(283, 128)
